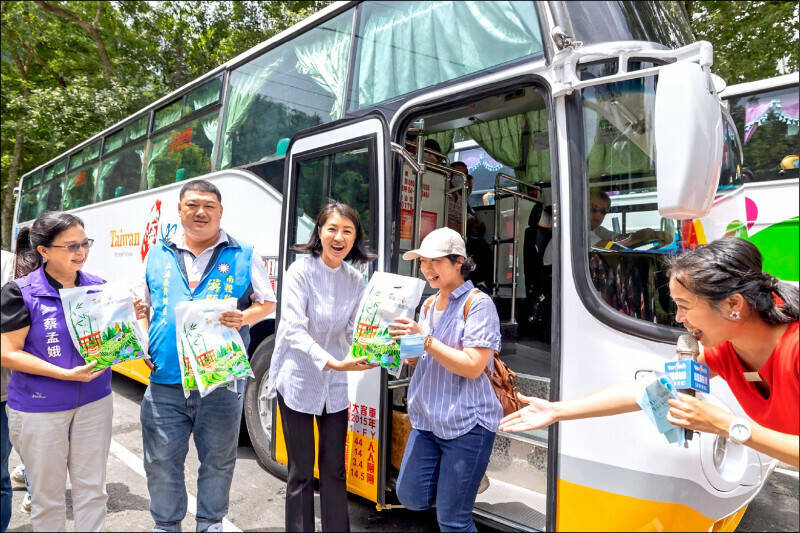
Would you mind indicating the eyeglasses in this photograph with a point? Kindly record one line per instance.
(73, 248)
(599, 210)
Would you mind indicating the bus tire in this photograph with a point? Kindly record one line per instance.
(258, 410)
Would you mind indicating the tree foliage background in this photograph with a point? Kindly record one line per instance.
(73, 68)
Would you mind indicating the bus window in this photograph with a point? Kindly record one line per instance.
(296, 86)
(406, 46)
(50, 195)
(627, 238)
(27, 206)
(76, 160)
(48, 174)
(121, 173)
(60, 167)
(768, 126)
(169, 114)
(79, 190)
(91, 152)
(350, 183)
(203, 96)
(136, 129)
(114, 141)
(182, 153)
(730, 176)
(342, 176)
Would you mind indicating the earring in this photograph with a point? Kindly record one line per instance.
(735, 315)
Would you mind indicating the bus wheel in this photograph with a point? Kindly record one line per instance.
(258, 410)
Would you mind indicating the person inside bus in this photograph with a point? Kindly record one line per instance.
(200, 261)
(747, 324)
(59, 409)
(452, 406)
(602, 237)
(321, 293)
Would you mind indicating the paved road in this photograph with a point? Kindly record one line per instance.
(257, 498)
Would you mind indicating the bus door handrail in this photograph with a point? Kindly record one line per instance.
(516, 195)
(419, 166)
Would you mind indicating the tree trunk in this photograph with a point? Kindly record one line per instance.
(8, 194)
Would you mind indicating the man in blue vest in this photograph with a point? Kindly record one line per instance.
(200, 261)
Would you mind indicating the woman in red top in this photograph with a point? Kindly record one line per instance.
(749, 320)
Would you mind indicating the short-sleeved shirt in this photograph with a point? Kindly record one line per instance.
(440, 401)
(780, 410)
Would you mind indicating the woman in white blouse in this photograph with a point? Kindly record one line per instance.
(319, 302)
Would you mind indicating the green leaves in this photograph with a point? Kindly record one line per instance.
(752, 40)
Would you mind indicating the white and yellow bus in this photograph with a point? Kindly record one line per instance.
(541, 100)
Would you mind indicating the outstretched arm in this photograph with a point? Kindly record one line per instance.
(613, 400)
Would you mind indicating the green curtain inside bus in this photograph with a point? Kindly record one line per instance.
(209, 125)
(406, 46)
(444, 139)
(503, 139)
(245, 86)
(136, 129)
(324, 57)
(104, 185)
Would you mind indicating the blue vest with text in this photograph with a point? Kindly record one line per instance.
(227, 276)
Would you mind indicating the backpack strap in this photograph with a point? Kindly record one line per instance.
(427, 304)
(468, 303)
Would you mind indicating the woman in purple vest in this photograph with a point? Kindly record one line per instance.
(59, 410)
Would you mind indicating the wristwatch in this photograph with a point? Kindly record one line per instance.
(739, 431)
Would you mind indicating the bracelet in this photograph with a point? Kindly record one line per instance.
(428, 342)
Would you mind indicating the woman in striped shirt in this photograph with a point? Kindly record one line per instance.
(319, 302)
(452, 407)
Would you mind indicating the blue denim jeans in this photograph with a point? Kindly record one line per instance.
(463, 461)
(5, 482)
(168, 419)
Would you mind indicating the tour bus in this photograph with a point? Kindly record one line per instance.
(766, 116)
(544, 101)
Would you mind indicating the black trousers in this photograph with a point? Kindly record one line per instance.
(298, 431)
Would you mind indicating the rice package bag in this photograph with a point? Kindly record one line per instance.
(102, 323)
(388, 296)
(215, 353)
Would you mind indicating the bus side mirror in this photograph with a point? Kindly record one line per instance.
(688, 138)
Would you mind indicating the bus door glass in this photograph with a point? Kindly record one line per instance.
(344, 163)
(501, 142)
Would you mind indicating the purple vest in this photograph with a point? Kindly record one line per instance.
(48, 339)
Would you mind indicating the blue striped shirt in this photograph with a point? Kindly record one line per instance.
(444, 403)
(318, 313)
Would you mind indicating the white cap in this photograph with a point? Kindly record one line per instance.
(439, 243)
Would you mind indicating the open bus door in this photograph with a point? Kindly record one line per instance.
(346, 161)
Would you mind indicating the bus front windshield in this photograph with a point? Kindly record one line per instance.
(626, 237)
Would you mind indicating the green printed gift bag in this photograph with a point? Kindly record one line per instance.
(102, 323)
(211, 355)
(387, 297)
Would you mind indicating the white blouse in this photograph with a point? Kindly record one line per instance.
(318, 313)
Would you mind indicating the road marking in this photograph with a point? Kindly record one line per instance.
(790, 473)
(133, 462)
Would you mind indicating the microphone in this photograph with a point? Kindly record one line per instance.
(685, 372)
